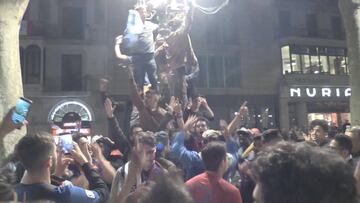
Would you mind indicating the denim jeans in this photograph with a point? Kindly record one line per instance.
(145, 63)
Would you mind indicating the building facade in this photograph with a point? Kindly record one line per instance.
(286, 58)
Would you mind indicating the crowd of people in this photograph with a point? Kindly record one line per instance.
(166, 152)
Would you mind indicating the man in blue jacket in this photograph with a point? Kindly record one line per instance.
(191, 160)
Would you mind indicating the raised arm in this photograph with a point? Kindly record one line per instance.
(135, 96)
(122, 57)
(209, 111)
(243, 111)
(116, 133)
(108, 171)
(96, 184)
(179, 151)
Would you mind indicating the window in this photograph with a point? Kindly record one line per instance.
(314, 60)
(286, 62)
(219, 72)
(232, 71)
(32, 65)
(230, 33)
(99, 12)
(44, 8)
(73, 22)
(71, 72)
(285, 23)
(312, 25)
(216, 72)
(213, 30)
(324, 63)
(337, 28)
(202, 79)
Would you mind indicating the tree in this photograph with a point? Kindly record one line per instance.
(350, 11)
(11, 14)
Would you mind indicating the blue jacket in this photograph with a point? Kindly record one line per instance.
(191, 160)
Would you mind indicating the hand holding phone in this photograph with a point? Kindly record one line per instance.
(66, 142)
(20, 111)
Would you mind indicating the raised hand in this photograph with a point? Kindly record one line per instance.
(224, 127)
(109, 109)
(203, 102)
(96, 150)
(62, 163)
(190, 123)
(137, 158)
(77, 155)
(243, 111)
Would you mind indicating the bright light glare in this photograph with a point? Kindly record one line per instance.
(156, 3)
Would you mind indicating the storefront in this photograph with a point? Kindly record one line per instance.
(300, 104)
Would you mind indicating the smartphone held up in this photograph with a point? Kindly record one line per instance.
(65, 141)
(20, 111)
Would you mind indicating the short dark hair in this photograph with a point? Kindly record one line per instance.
(33, 149)
(298, 173)
(212, 155)
(201, 118)
(132, 127)
(322, 123)
(271, 134)
(343, 142)
(147, 138)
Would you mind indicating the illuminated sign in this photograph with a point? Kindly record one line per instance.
(320, 92)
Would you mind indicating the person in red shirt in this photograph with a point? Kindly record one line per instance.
(210, 187)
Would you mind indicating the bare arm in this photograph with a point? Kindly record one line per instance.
(209, 111)
(135, 167)
(119, 55)
(237, 120)
(108, 171)
(135, 96)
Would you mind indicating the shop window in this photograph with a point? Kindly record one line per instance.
(333, 64)
(314, 60)
(286, 62)
(347, 65)
(296, 63)
(305, 59)
(324, 64)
